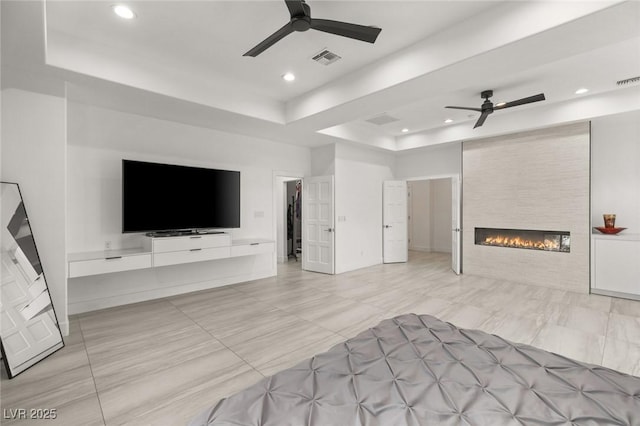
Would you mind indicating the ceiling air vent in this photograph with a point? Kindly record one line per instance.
(628, 81)
(382, 119)
(326, 57)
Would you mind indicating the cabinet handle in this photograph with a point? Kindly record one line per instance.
(196, 249)
(197, 236)
(113, 258)
(254, 244)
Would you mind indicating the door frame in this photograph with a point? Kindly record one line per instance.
(453, 177)
(279, 207)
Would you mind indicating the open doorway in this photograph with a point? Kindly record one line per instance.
(293, 220)
(432, 232)
(281, 201)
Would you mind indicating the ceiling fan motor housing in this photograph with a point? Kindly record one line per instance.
(301, 20)
(486, 94)
(301, 23)
(487, 105)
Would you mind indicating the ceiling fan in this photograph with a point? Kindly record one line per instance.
(487, 106)
(301, 20)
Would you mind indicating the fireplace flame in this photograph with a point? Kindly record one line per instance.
(504, 241)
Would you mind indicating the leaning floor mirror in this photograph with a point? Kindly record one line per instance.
(29, 329)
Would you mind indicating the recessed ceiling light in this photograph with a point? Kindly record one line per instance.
(581, 91)
(405, 130)
(448, 120)
(288, 77)
(123, 11)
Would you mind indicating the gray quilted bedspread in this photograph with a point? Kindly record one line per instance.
(418, 370)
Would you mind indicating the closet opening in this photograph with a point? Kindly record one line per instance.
(430, 217)
(293, 220)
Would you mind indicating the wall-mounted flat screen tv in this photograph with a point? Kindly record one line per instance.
(166, 197)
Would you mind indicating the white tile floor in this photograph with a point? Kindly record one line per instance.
(160, 362)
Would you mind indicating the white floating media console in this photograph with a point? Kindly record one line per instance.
(164, 251)
(165, 266)
(105, 262)
(193, 248)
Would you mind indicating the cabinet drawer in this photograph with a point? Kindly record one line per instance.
(82, 268)
(193, 255)
(164, 245)
(249, 249)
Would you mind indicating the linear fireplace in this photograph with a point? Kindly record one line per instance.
(559, 241)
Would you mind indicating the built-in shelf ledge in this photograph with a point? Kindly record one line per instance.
(622, 236)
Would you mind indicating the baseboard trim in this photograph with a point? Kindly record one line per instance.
(442, 249)
(64, 327)
(420, 248)
(612, 293)
(431, 250)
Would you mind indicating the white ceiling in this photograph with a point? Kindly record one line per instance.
(209, 37)
(183, 60)
(596, 69)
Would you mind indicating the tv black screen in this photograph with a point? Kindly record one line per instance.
(166, 197)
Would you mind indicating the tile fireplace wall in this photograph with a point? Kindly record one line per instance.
(529, 180)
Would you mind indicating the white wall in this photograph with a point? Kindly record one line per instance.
(359, 174)
(323, 160)
(33, 155)
(98, 139)
(433, 161)
(430, 211)
(420, 221)
(440, 208)
(615, 170)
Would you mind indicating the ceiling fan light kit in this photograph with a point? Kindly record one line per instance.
(301, 20)
(487, 106)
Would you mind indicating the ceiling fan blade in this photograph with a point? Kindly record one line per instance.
(528, 100)
(468, 108)
(271, 40)
(297, 8)
(482, 118)
(344, 29)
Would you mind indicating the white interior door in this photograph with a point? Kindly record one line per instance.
(394, 221)
(317, 224)
(455, 224)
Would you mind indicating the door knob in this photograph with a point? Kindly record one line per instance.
(387, 226)
(329, 229)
